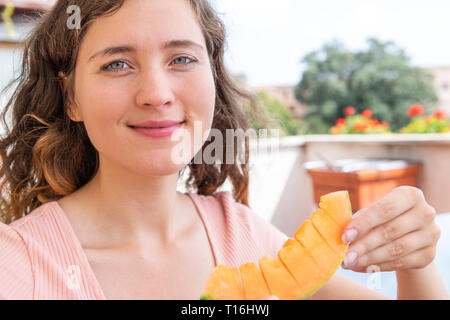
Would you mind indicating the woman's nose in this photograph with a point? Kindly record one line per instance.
(154, 88)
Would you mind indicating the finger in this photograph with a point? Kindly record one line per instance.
(410, 221)
(416, 260)
(400, 247)
(398, 201)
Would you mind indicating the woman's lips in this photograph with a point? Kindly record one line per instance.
(158, 132)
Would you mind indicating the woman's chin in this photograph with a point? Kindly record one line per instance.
(160, 169)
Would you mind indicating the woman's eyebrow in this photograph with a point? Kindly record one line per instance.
(182, 43)
(111, 51)
(168, 44)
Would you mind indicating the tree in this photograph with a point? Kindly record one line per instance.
(380, 78)
(274, 115)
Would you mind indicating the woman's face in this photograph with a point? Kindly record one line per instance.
(147, 62)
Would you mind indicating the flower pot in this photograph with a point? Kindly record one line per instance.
(366, 185)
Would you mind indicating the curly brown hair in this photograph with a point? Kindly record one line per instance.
(45, 155)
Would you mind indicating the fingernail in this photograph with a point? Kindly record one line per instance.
(350, 259)
(349, 235)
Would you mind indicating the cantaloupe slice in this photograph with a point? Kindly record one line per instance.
(335, 204)
(255, 287)
(303, 264)
(281, 283)
(224, 284)
(329, 230)
(321, 252)
(308, 275)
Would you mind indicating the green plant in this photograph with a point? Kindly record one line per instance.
(380, 77)
(434, 123)
(276, 113)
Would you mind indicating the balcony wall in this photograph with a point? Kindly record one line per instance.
(281, 190)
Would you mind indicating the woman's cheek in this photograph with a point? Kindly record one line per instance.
(102, 116)
(204, 92)
(205, 114)
(199, 102)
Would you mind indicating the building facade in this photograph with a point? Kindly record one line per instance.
(441, 83)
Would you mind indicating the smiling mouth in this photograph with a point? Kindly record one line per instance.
(176, 124)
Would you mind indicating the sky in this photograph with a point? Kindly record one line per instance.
(267, 39)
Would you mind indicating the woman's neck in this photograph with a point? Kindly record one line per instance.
(124, 209)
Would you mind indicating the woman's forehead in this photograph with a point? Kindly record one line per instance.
(146, 25)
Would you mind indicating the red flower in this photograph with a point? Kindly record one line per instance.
(360, 126)
(439, 114)
(340, 122)
(349, 111)
(367, 114)
(415, 110)
(376, 123)
(385, 123)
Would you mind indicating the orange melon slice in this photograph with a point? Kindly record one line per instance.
(334, 204)
(224, 284)
(255, 287)
(327, 259)
(329, 230)
(303, 264)
(308, 275)
(281, 283)
(320, 251)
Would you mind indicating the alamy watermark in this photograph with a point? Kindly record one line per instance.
(374, 280)
(230, 148)
(73, 280)
(74, 20)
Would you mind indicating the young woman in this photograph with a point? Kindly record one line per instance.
(90, 206)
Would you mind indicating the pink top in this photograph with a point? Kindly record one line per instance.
(41, 257)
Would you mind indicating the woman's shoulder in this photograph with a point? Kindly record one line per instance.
(15, 232)
(222, 211)
(16, 273)
(36, 223)
(238, 231)
(34, 216)
(223, 207)
(17, 241)
(38, 230)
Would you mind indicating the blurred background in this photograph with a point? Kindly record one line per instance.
(360, 91)
(318, 58)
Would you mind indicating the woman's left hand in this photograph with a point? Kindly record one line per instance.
(397, 232)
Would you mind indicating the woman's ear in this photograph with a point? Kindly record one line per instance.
(71, 110)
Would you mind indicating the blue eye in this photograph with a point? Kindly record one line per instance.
(119, 65)
(113, 65)
(181, 58)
